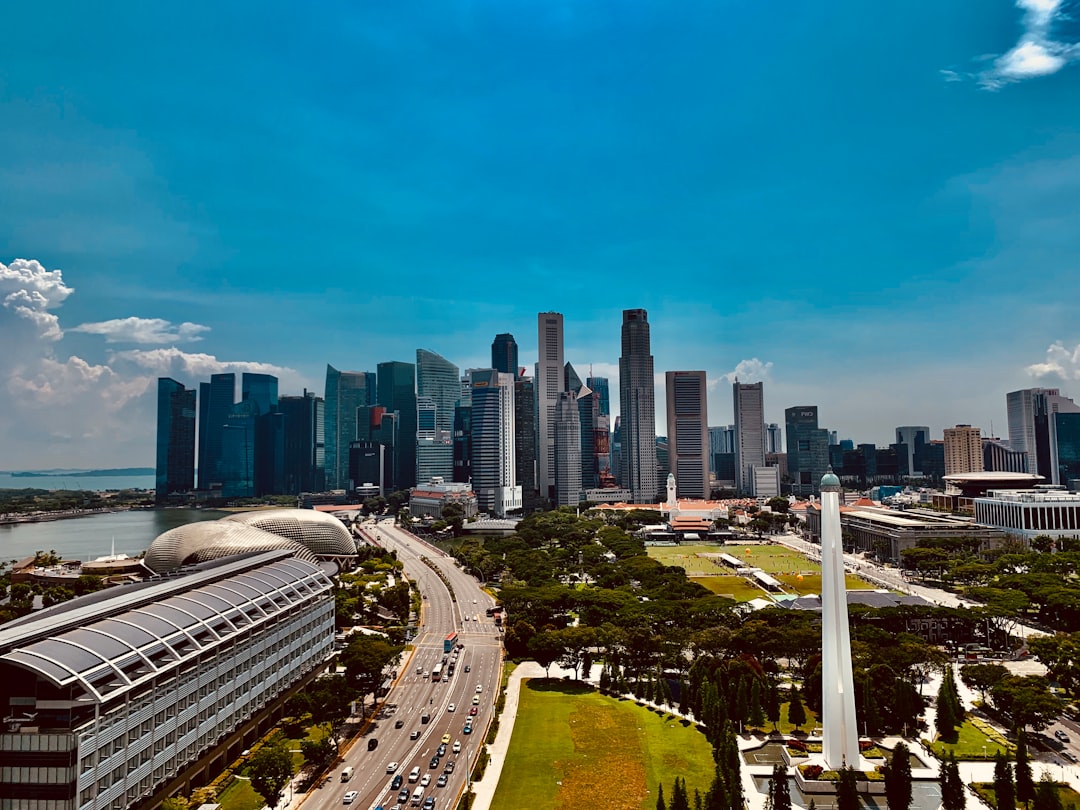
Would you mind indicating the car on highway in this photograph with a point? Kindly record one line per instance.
(445, 738)
(473, 711)
(414, 734)
(349, 797)
(457, 747)
(403, 796)
(449, 767)
(393, 766)
(1069, 755)
(426, 780)
(442, 780)
(468, 668)
(399, 723)
(451, 707)
(1061, 735)
(429, 803)
(441, 750)
(475, 699)
(479, 688)
(396, 783)
(434, 764)
(467, 730)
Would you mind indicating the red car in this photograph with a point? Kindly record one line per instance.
(473, 711)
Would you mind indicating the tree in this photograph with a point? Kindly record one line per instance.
(1025, 785)
(318, 753)
(772, 705)
(1046, 794)
(660, 803)
(1026, 701)
(898, 778)
(847, 789)
(365, 658)
(796, 712)
(1004, 787)
(270, 769)
(679, 798)
(982, 677)
(757, 711)
(779, 793)
(545, 648)
(952, 785)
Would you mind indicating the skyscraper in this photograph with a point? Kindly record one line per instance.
(438, 391)
(807, 448)
(175, 439)
(504, 355)
(396, 391)
(567, 450)
(688, 433)
(914, 438)
(304, 463)
(1030, 413)
(549, 383)
(749, 433)
(493, 457)
(637, 403)
(217, 399)
(773, 443)
(600, 387)
(525, 442)
(963, 450)
(345, 392)
(269, 472)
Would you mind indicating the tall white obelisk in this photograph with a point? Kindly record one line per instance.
(840, 743)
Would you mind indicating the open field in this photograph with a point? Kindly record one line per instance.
(240, 795)
(783, 563)
(973, 742)
(573, 747)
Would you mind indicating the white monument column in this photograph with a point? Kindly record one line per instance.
(672, 502)
(840, 743)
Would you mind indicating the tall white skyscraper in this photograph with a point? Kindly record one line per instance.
(688, 432)
(549, 384)
(749, 433)
(494, 476)
(637, 403)
(1031, 414)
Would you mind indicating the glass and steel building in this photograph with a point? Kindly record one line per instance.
(304, 463)
(567, 450)
(216, 399)
(111, 698)
(438, 391)
(504, 355)
(175, 439)
(688, 432)
(396, 391)
(345, 392)
(494, 468)
(749, 406)
(637, 404)
(807, 448)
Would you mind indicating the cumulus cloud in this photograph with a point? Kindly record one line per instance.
(144, 330)
(1061, 362)
(747, 371)
(1037, 53)
(29, 291)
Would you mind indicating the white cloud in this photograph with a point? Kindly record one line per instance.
(1060, 362)
(747, 371)
(1037, 53)
(29, 291)
(144, 330)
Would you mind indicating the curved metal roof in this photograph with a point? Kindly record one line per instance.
(115, 653)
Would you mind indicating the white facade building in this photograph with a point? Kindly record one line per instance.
(1029, 513)
(493, 455)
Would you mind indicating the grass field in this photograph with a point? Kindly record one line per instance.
(573, 747)
(240, 795)
(973, 743)
(782, 562)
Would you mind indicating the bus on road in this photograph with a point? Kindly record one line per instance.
(449, 642)
(436, 673)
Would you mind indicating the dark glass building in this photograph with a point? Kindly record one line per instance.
(462, 444)
(175, 439)
(345, 392)
(504, 355)
(807, 448)
(396, 391)
(1067, 448)
(216, 401)
(304, 444)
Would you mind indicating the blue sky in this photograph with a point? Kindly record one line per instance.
(873, 207)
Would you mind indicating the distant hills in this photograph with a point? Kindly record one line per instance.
(85, 473)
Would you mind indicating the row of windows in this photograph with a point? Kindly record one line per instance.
(36, 775)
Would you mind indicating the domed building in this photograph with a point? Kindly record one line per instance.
(312, 536)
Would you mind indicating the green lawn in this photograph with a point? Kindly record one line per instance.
(972, 742)
(1068, 796)
(736, 587)
(240, 795)
(573, 747)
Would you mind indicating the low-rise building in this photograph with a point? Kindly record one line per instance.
(1030, 513)
(428, 500)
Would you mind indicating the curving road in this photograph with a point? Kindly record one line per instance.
(415, 694)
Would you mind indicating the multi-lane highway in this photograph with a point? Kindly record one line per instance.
(403, 736)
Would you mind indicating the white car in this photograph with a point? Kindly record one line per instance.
(349, 797)
(426, 780)
(451, 707)
(393, 766)
(457, 747)
(479, 688)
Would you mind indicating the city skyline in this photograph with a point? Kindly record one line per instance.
(876, 220)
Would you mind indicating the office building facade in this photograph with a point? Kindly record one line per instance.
(345, 392)
(568, 453)
(914, 438)
(963, 450)
(525, 443)
(438, 391)
(175, 460)
(637, 404)
(749, 408)
(494, 466)
(396, 391)
(216, 399)
(549, 384)
(504, 355)
(304, 463)
(807, 448)
(688, 432)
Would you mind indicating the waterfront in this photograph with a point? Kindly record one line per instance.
(75, 481)
(84, 538)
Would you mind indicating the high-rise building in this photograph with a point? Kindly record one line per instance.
(999, 457)
(238, 450)
(463, 443)
(375, 426)
(494, 467)
(1065, 443)
(345, 392)
(571, 380)
(269, 473)
(1030, 412)
(637, 405)
(568, 449)
(600, 387)
(438, 391)
(262, 389)
(616, 450)
(773, 441)
(504, 355)
(216, 399)
(914, 438)
(305, 444)
(525, 442)
(721, 442)
(175, 439)
(749, 400)
(807, 448)
(688, 433)
(963, 450)
(550, 383)
(396, 391)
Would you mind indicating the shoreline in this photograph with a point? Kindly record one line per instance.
(14, 518)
